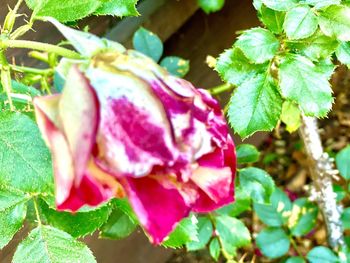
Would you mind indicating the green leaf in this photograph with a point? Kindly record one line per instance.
(214, 249)
(273, 242)
(48, 244)
(119, 8)
(342, 160)
(148, 43)
(185, 232)
(268, 214)
(272, 19)
(291, 116)
(258, 4)
(176, 66)
(205, 231)
(13, 209)
(233, 67)
(25, 160)
(210, 6)
(295, 260)
(280, 201)
(232, 233)
(257, 183)
(340, 192)
(258, 45)
(316, 47)
(280, 5)
(247, 153)
(322, 255)
(334, 22)
(300, 22)
(241, 204)
(64, 11)
(118, 226)
(343, 53)
(303, 217)
(345, 218)
(256, 105)
(303, 82)
(322, 3)
(78, 224)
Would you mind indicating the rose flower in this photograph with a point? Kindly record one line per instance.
(124, 127)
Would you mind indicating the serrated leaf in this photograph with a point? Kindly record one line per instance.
(214, 248)
(273, 242)
(340, 192)
(258, 45)
(303, 82)
(300, 22)
(272, 19)
(322, 3)
(175, 65)
(257, 4)
(247, 153)
(256, 105)
(185, 232)
(12, 214)
(78, 224)
(235, 68)
(291, 116)
(118, 8)
(342, 160)
(48, 244)
(343, 53)
(334, 22)
(25, 161)
(210, 6)
(63, 10)
(205, 231)
(118, 226)
(322, 255)
(232, 233)
(148, 43)
(257, 183)
(316, 47)
(268, 214)
(303, 217)
(280, 5)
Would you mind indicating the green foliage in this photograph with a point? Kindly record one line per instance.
(257, 183)
(232, 233)
(25, 161)
(300, 22)
(214, 248)
(177, 66)
(305, 217)
(291, 116)
(205, 231)
(322, 255)
(48, 244)
(280, 5)
(186, 231)
(247, 153)
(295, 260)
(72, 10)
(273, 242)
(307, 84)
(343, 162)
(258, 45)
(272, 19)
(241, 204)
(12, 214)
(148, 43)
(343, 53)
(210, 6)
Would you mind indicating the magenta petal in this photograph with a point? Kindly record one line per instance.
(158, 208)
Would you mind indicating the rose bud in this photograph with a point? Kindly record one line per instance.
(124, 127)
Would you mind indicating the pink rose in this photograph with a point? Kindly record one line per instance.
(124, 127)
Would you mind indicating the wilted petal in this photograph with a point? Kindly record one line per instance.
(159, 207)
(62, 159)
(78, 111)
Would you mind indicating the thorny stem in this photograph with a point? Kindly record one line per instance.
(321, 170)
(40, 46)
